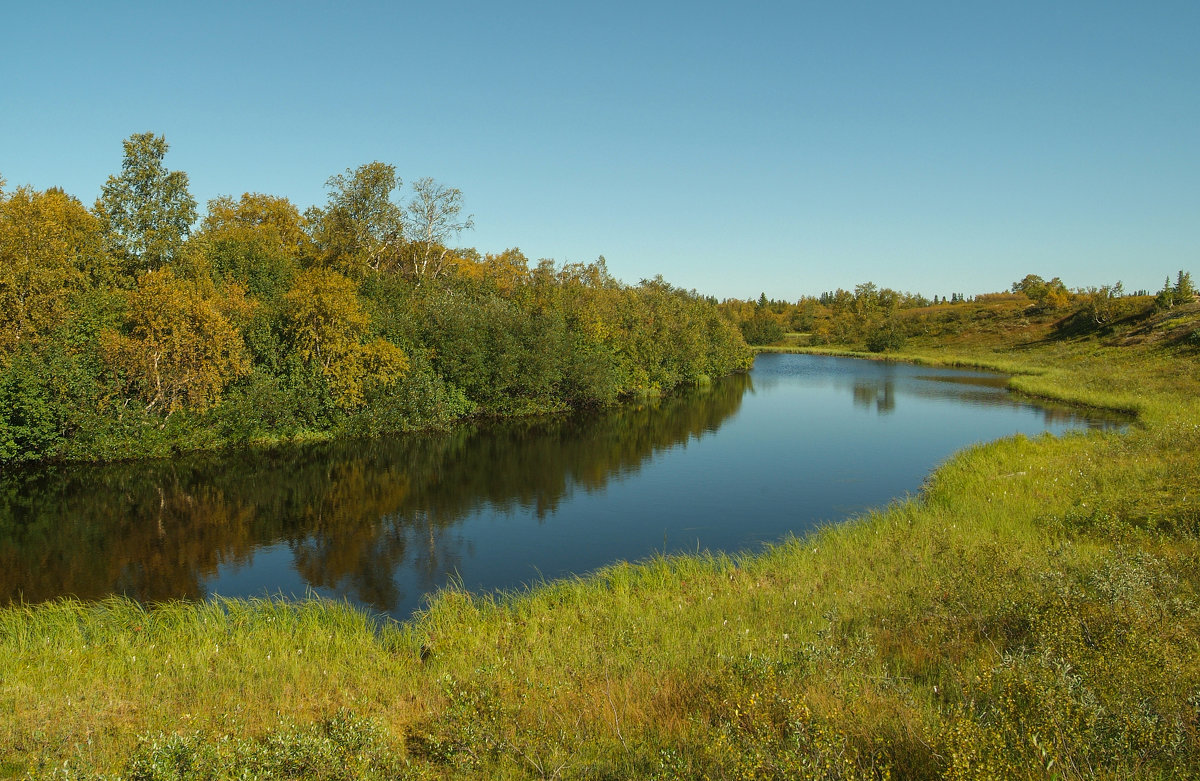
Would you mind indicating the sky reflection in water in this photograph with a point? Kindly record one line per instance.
(800, 441)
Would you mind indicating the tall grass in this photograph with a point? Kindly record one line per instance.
(1035, 613)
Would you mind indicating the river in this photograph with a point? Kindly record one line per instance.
(799, 441)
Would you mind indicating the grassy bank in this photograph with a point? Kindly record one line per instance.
(1033, 614)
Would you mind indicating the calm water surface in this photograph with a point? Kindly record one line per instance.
(799, 441)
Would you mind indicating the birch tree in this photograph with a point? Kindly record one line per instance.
(327, 324)
(146, 210)
(47, 241)
(361, 229)
(183, 345)
(433, 220)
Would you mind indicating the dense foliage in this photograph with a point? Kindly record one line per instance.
(127, 330)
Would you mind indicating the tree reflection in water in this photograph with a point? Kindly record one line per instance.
(992, 391)
(351, 513)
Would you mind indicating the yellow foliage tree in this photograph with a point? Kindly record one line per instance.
(327, 323)
(510, 269)
(48, 243)
(183, 346)
(325, 317)
(268, 220)
(258, 242)
(361, 367)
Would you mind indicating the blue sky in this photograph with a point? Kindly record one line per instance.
(733, 148)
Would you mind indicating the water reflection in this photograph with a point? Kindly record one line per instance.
(349, 516)
(383, 523)
(879, 386)
(880, 395)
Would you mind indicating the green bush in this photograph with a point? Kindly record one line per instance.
(762, 328)
(884, 337)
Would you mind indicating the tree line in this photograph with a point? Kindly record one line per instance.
(881, 318)
(134, 328)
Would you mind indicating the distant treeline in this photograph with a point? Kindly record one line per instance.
(129, 330)
(882, 319)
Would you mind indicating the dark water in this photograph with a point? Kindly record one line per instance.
(799, 441)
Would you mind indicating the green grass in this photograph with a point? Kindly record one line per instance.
(1035, 613)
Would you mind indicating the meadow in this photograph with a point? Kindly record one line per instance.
(1033, 613)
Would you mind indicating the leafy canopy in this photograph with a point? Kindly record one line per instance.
(146, 210)
(327, 323)
(49, 246)
(361, 229)
(183, 345)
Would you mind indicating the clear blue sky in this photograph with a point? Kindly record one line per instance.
(734, 148)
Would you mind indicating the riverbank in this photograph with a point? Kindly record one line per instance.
(1032, 614)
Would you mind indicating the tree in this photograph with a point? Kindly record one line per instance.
(183, 345)
(433, 215)
(324, 315)
(326, 322)
(276, 220)
(888, 301)
(363, 368)
(866, 298)
(885, 335)
(1057, 295)
(1166, 297)
(361, 229)
(49, 247)
(1182, 292)
(29, 419)
(763, 327)
(146, 211)
(1032, 286)
(1102, 304)
(1047, 296)
(258, 242)
(1184, 289)
(508, 270)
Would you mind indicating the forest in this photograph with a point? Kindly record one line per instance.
(138, 328)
